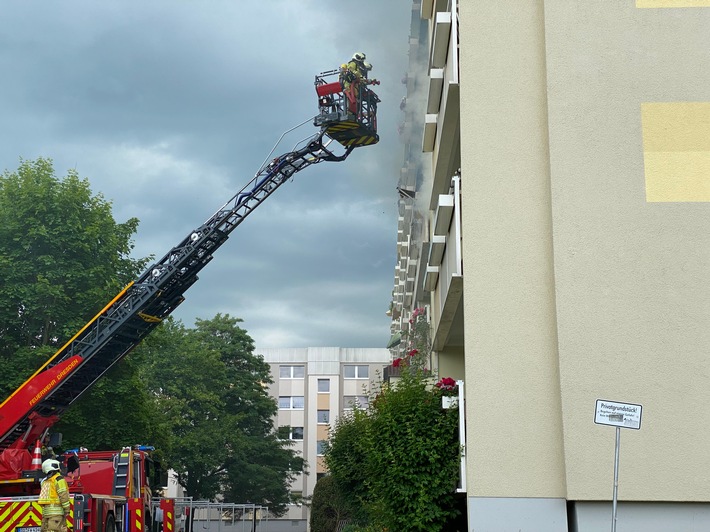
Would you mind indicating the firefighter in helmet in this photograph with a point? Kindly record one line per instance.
(54, 498)
(350, 76)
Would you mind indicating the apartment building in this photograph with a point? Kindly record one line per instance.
(313, 386)
(553, 198)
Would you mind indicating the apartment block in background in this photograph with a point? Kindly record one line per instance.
(313, 386)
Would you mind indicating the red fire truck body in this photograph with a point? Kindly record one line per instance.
(110, 492)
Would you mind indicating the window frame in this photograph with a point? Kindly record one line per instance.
(291, 402)
(356, 371)
(282, 435)
(291, 370)
(347, 404)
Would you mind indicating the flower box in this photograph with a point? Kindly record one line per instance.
(449, 401)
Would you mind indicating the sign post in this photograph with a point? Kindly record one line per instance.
(619, 415)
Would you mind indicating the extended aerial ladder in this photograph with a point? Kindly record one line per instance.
(120, 326)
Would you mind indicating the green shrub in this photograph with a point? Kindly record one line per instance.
(397, 463)
(327, 506)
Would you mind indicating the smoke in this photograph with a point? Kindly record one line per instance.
(415, 183)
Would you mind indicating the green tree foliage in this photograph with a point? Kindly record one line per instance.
(211, 390)
(402, 454)
(346, 455)
(327, 506)
(116, 412)
(62, 257)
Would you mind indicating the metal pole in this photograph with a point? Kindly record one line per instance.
(616, 479)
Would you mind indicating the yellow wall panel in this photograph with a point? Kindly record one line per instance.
(323, 401)
(677, 176)
(672, 3)
(676, 147)
(322, 432)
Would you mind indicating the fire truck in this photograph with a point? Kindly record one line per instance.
(111, 490)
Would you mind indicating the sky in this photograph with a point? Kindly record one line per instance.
(169, 107)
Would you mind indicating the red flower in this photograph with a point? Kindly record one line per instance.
(413, 352)
(396, 362)
(447, 383)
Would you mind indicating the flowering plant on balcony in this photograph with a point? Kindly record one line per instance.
(416, 342)
(447, 386)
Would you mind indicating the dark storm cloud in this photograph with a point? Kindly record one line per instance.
(168, 108)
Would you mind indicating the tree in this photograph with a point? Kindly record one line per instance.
(118, 411)
(413, 446)
(62, 257)
(211, 389)
(346, 456)
(327, 506)
(398, 461)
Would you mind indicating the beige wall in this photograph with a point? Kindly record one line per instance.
(585, 164)
(451, 363)
(513, 400)
(631, 271)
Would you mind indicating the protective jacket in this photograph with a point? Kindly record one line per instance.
(349, 73)
(54, 495)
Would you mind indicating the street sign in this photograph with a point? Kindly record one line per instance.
(621, 416)
(624, 415)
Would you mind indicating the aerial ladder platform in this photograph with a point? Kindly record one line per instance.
(135, 311)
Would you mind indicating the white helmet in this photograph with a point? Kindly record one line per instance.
(358, 56)
(50, 465)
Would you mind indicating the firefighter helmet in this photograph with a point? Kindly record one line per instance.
(50, 465)
(358, 56)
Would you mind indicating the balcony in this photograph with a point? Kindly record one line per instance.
(429, 133)
(436, 250)
(441, 39)
(436, 85)
(444, 213)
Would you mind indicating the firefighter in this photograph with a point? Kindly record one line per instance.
(54, 498)
(350, 76)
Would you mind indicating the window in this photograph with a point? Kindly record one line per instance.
(287, 402)
(320, 476)
(290, 433)
(360, 400)
(323, 416)
(292, 372)
(320, 450)
(355, 372)
(323, 385)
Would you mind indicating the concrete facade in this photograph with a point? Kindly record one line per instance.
(322, 383)
(557, 159)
